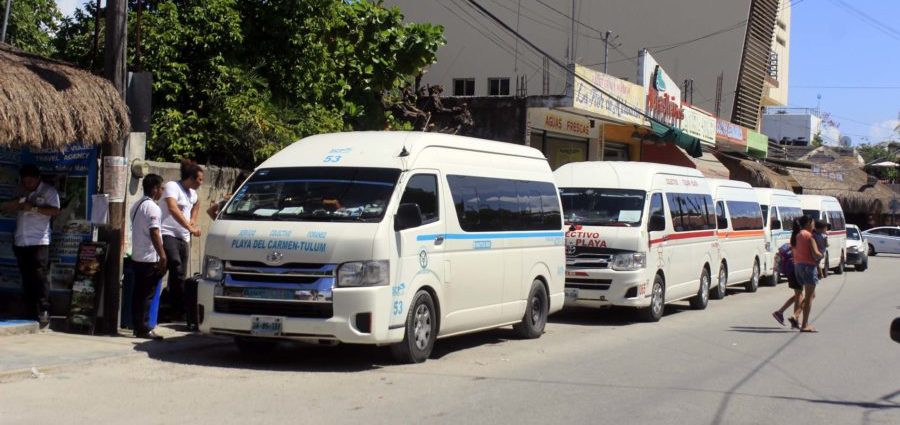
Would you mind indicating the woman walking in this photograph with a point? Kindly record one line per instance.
(786, 268)
(806, 258)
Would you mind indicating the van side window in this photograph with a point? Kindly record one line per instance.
(745, 215)
(656, 206)
(773, 219)
(721, 220)
(485, 204)
(837, 220)
(765, 212)
(422, 191)
(691, 211)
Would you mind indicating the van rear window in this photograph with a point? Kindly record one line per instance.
(351, 194)
(745, 215)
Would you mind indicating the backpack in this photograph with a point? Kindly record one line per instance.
(785, 260)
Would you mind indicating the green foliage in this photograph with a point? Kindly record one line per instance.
(817, 140)
(32, 24)
(237, 80)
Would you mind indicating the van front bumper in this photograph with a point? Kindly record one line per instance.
(605, 287)
(353, 310)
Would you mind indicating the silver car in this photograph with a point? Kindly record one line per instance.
(883, 240)
(857, 249)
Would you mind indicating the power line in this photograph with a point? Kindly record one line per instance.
(863, 16)
(849, 87)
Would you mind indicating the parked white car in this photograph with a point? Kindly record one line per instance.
(883, 240)
(857, 249)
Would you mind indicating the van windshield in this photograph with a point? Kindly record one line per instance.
(602, 207)
(314, 194)
(853, 234)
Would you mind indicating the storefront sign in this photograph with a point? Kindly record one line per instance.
(662, 93)
(757, 144)
(562, 123)
(619, 100)
(73, 172)
(114, 173)
(699, 124)
(730, 132)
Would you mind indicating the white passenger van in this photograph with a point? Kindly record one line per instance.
(640, 235)
(387, 238)
(741, 244)
(779, 209)
(828, 209)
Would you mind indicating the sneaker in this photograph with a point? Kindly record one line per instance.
(778, 317)
(44, 319)
(149, 335)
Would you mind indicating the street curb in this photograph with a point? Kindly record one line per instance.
(22, 374)
(18, 327)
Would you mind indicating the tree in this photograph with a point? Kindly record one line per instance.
(817, 140)
(32, 24)
(237, 80)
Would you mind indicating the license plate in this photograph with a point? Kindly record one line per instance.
(572, 293)
(265, 325)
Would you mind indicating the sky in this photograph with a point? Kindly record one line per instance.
(833, 47)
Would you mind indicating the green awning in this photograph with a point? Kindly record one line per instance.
(690, 144)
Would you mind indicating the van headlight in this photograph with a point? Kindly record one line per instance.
(213, 269)
(852, 249)
(363, 273)
(630, 261)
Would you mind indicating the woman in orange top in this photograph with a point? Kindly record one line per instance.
(806, 257)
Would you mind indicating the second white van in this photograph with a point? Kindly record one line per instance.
(639, 235)
(779, 209)
(741, 239)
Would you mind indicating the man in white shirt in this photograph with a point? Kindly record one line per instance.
(148, 258)
(36, 203)
(179, 207)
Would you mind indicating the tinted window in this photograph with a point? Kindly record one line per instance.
(788, 215)
(853, 234)
(765, 212)
(813, 214)
(721, 219)
(489, 204)
(773, 218)
(836, 218)
(691, 211)
(656, 206)
(422, 191)
(602, 207)
(314, 194)
(745, 215)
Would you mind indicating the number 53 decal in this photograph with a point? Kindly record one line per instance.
(332, 158)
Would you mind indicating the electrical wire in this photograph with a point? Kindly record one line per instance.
(866, 18)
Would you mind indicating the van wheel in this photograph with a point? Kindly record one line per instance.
(254, 347)
(535, 319)
(421, 331)
(701, 300)
(657, 301)
(840, 267)
(872, 252)
(720, 291)
(753, 284)
(861, 267)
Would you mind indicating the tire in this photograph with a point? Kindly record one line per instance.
(421, 331)
(701, 300)
(872, 252)
(255, 347)
(841, 266)
(753, 284)
(536, 311)
(657, 301)
(720, 291)
(861, 267)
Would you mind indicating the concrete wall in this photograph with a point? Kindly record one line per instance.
(496, 118)
(792, 126)
(478, 48)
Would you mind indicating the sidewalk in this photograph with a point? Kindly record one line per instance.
(31, 355)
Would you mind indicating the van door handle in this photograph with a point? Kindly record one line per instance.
(439, 240)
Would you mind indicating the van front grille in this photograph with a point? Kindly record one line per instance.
(589, 284)
(274, 308)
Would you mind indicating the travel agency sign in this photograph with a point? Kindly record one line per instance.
(661, 92)
(616, 100)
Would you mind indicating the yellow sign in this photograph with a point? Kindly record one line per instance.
(561, 122)
(620, 93)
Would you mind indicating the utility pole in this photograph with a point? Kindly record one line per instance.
(719, 93)
(5, 20)
(114, 69)
(606, 41)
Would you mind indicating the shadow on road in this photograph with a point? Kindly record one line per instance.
(761, 329)
(200, 350)
(610, 316)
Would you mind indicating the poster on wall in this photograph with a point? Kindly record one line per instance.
(73, 172)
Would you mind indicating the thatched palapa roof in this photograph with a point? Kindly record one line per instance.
(47, 104)
(754, 173)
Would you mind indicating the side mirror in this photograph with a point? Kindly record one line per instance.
(722, 223)
(895, 329)
(775, 225)
(407, 217)
(657, 223)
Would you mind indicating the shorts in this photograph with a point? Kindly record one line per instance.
(792, 281)
(807, 274)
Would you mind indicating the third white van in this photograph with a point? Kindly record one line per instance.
(828, 210)
(779, 209)
(639, 235)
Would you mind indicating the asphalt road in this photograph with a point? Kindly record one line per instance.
(729, 364)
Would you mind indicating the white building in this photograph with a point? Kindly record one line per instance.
(793, 126)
